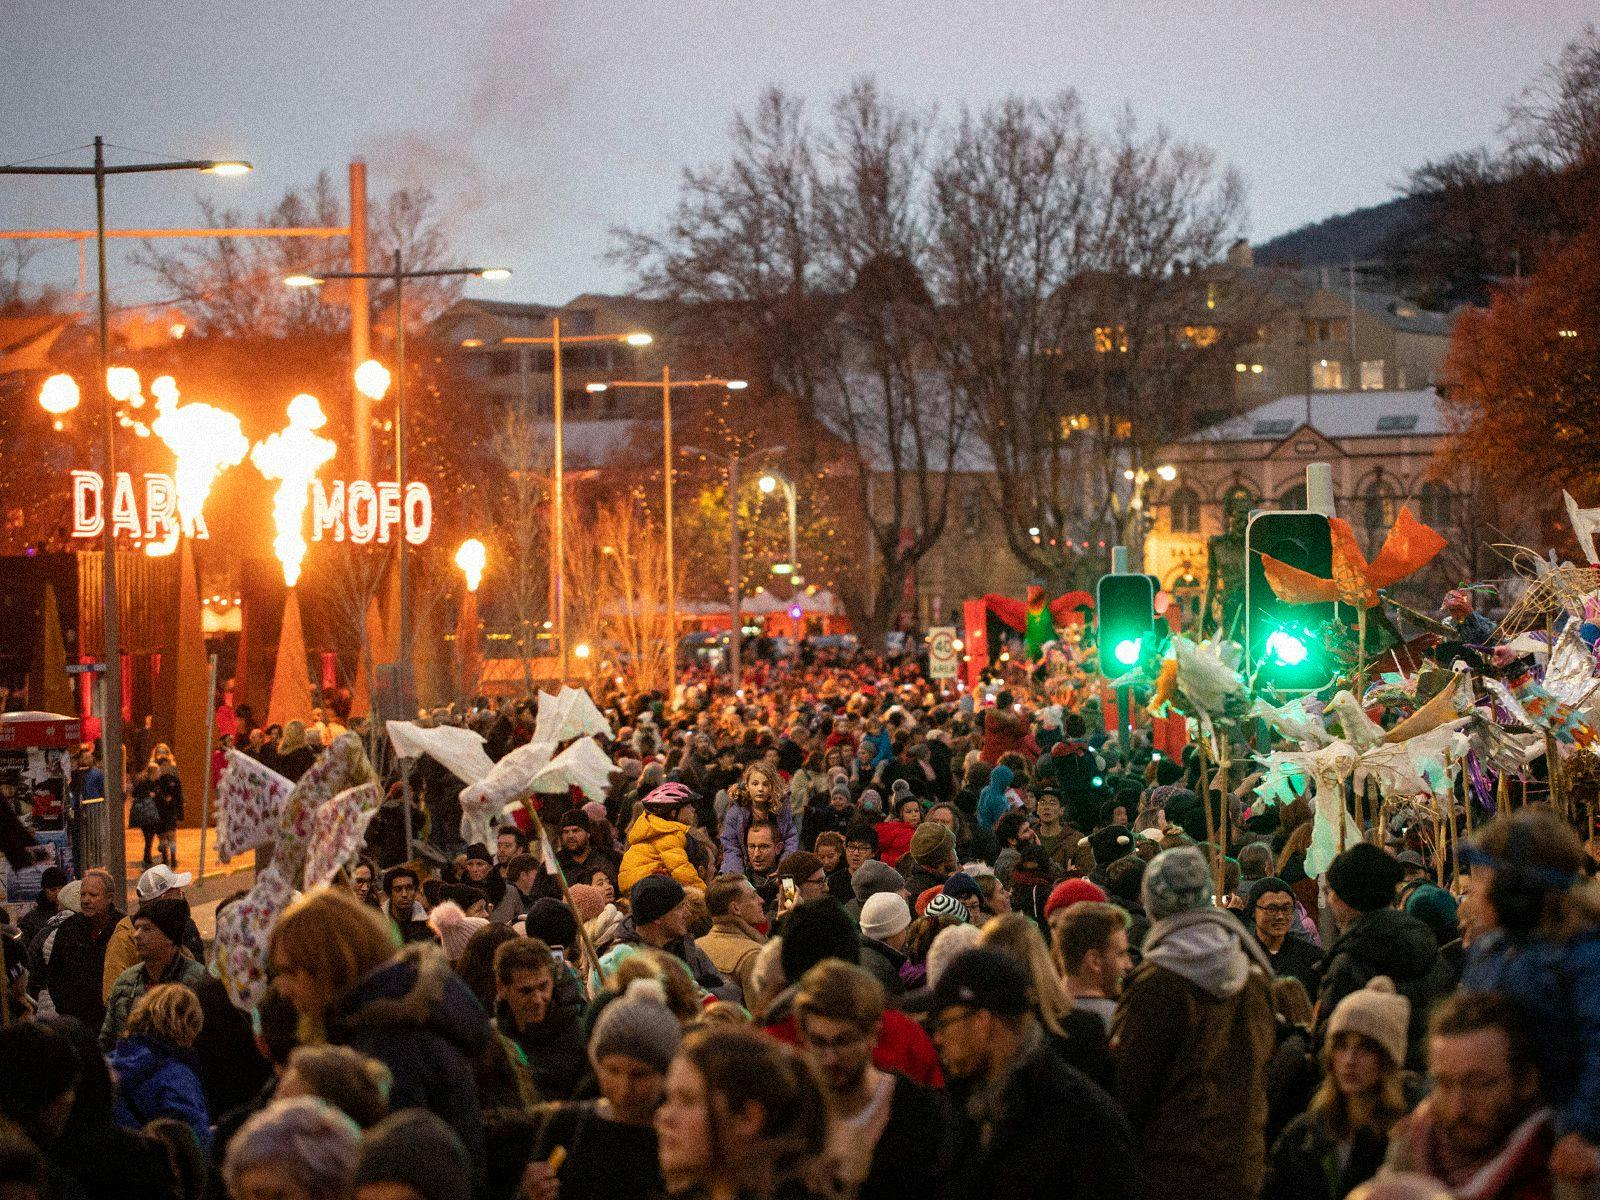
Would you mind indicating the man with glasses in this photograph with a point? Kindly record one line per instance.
(1011, 1139)
(1270, 911)
(886, 1132)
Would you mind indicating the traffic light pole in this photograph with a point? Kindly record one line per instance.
(1119, 566)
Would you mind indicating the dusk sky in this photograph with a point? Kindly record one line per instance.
(542, 125)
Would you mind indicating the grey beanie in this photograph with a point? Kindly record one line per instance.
(415, 1148)
(637, 1024)
(1177, 881)
(874, 876)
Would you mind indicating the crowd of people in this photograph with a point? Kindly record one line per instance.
(834, 935)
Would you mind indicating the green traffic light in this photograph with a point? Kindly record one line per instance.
(1287, 648)
(1127, 651)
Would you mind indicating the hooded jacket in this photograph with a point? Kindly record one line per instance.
(417, 1017)
(657, 845)
(1385, 942)
(992, 802)
(157, 1079)
(1189, 1046)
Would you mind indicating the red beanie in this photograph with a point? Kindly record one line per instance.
(1069, 892)
(922, 901)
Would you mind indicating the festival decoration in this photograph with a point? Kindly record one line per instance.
(1409, 546)
(58, 395)
(1037, 620)
(1585, 523)
(205, 440)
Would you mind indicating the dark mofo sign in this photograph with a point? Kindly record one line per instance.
(359, 511)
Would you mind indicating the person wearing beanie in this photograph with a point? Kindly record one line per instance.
(870, 878)
(942, 905)
(1191, 1038)
(553, 923)
(1341, 1140)
(158, 929)
(120, 953)
(964, 888)
(1270, 911)
(1069, 892)
(418, 1155)
(932, 857)
(453, 928)
(658, 917)
(1375, 939)
(610, 1142)
(51, 881)
(577, 855)
(588, 901)
(1010, 1138)
(885, 917)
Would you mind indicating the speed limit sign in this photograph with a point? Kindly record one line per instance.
(943, 659)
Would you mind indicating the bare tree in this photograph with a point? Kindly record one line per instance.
(520, 448)
(616, 577)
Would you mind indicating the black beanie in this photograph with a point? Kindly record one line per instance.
(169, 914)
(814, 931)
(551, 922)
(415, 1148)
(1365, 877)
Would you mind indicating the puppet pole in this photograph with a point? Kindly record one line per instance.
(548, 852)
(1211, 823)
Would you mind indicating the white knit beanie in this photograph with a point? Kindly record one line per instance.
(1378, 1012)
(884, 915)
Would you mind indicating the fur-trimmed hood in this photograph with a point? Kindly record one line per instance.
(415, 989)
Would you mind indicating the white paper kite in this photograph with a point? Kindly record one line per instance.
(240, 956)
(1294, 720)
(459, 751)
(1585, 524)
(1360, 730)
(566, 715)
(510, 780)
(582, 765)
(337, 830)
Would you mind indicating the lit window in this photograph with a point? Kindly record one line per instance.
(1109, 337)
(1201, 337)
(1185, 511)
(1327, 375)
(1372, 375)
(1211, 295)
(1337, 330)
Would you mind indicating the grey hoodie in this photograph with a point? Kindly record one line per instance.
(1208, 947)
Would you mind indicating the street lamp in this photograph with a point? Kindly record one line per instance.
(736, 623)
(367, 378)
(666, 385)
(559, 538)
(111, 705)
(770, 483)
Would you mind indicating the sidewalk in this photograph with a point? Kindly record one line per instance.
(221, 879)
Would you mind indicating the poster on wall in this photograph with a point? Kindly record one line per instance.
(23, 886)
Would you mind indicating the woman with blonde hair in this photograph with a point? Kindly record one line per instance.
(1078, 1036)
(155, 1066)
(295, 754)
(353, 984)
(758, 796)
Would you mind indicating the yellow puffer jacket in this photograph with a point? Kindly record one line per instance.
(657, 845)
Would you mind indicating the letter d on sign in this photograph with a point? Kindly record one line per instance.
(88, 504)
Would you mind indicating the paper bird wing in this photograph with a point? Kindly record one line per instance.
(1410, 546)
(1011, 611)
(1294, 586)
(1585, 523)
(1063, 607)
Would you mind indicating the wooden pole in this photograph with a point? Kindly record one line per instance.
(205, 794)
(1211, 824)
(566, 894)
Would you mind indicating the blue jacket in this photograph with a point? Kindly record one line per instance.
(414, 1015)
(1558, 985)
(992, 802)
(157, 1079)
(736, 823)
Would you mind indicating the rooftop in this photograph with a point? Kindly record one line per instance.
(1336, 415)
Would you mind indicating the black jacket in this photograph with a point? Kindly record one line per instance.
(1385, 942)
(1303, 1164)
(1057, 1135)
(1297, 958)
(555, 1049)
(883, 963)
(913, 1153)
(77, 968)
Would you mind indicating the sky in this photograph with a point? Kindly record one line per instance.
(543, 125)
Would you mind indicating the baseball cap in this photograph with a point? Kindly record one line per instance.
(986, 979)
(159, 880)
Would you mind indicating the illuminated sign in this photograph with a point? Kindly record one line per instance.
(360, 512)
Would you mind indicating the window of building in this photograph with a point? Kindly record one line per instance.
(1273, 427)
(1201, 337)
(1110, 337)
(1294, 500)
(1185, 511)
(1378, 506)
(1397, 423)
(1327, 375)
(1372, 375)
(1335, 330)
(1436, 505)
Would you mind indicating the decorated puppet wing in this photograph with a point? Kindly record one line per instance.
(1207, 680)
(566, 715)
(509, 781)
(459, 751)
(1565, 722)
(582, 765)
(1358, 729)
(1495, 746)
(239, 957)
(250, 802)
(1064, 606)
(338, 829)
(1321, 774)
(1450, 702)
(1165, 690)
(1585, 524)
(1423, 765)
(342, 765)
(1294, 721)
(1410, 546)
(1570, 675)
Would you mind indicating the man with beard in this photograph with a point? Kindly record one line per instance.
(1481, 1130)
(578, 858)
(887, 1134)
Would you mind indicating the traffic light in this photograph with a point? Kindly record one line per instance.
(1286, 643)
(1125, 619)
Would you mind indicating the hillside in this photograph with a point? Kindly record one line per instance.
(1360, 237)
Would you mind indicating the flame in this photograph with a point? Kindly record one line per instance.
(372, 379)
(58, 395)
(205, 440)
(293, 456)
(470, 558)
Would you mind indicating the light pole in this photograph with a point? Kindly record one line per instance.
(769, 483)
(111, 705)
(666, 385)
(397, 276)
(736, 623)
(558, 537)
